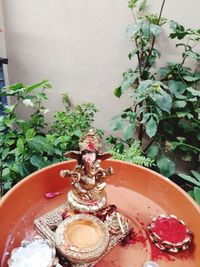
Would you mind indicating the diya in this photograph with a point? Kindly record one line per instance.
(169, 233)
(82, 238)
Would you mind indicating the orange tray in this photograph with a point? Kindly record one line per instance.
(139, 192)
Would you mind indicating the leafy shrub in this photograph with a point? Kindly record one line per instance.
(131, 154)
(70, 124)
(165, 108)
(24, 148)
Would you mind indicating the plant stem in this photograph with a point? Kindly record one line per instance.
(150, 143)
(154, 38)
(190, 146)
(138, 53)
(141, 133)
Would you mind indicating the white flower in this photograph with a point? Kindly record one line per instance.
(28, 103)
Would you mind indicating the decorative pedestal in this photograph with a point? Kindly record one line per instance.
(84, 205)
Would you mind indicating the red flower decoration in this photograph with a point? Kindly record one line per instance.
(91, 147)
(66, 214)
(52, 194)
(106, 211)
(129, 239)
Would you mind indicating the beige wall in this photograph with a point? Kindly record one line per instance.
(80, 46)
(2, 39)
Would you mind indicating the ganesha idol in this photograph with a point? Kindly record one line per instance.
(88, 179)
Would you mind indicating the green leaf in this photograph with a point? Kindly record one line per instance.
(143, 86)
(132, 30)
(180, 104)
(189, 179)
(166, 166)
(181, 139)
(36, 85)
(145, 117)
(177, 88)
(193, 91)
(145, 27)
(2, 128)
(193, 99)
(38, 161)
(197, 194)
(164, 101)
(184, 114)
(118, 92)
(132, 3)
(151, 127)
(155, 29)
(12, 89)
(142, 5)
(9, 109)
(30, 133)
(192, 55)
(196, 175)
(191, 193)
(20, 146)
(5, 172)
(119, 148)
(152, 151)
(191, 78)
(129, 113)
(117, 123)
(7, 185)
(40, 144)
(9, 122)
(129, 131)
(164, 71)
(178, 30)
(14, 167)
(5, 153)
(135, 51)
(129, 79)
(23, 169)
(174, 145)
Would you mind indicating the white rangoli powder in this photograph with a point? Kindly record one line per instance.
(37, 254)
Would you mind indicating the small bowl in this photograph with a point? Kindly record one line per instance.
(82, 238)
(26, 245)
(168, 243)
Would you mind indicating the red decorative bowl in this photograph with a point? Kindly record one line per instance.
(169, 233)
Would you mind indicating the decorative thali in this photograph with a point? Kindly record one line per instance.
(87, 209)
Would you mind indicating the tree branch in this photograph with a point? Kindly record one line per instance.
(154, 38)
(138, 53)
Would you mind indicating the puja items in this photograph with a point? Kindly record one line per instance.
(82, 238)
(85, 228)
(38, 252)
(169, 233)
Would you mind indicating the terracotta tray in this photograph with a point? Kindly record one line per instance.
(140, 193)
